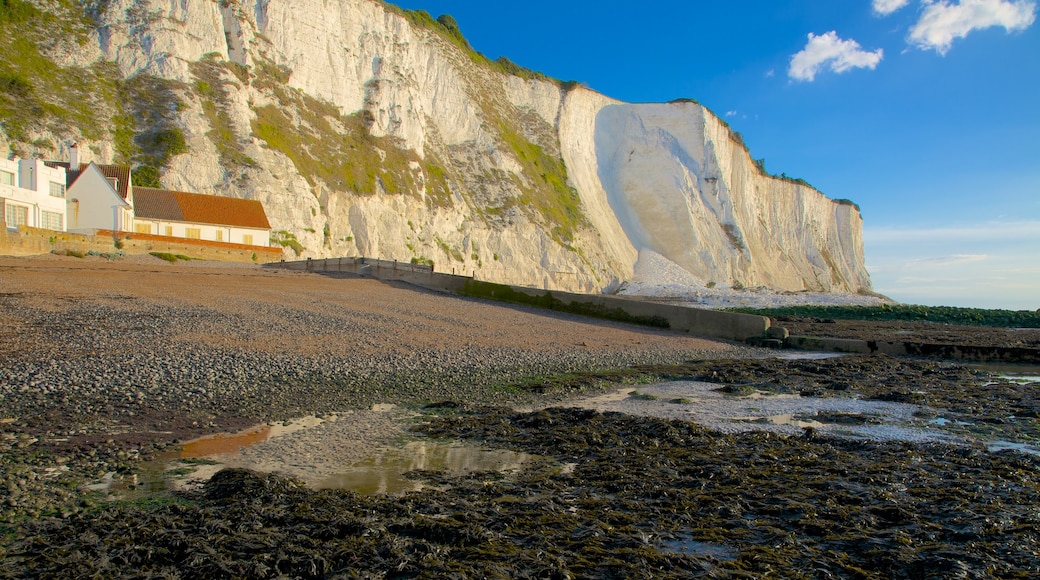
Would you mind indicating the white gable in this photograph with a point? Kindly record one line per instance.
(94, 205)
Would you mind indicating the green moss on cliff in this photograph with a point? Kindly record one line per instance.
(145, 130)
(545, 191)
(36, 95)
(211, 86)
(340, 151)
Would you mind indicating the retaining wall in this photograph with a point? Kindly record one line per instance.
(726, 325)
(28, 241)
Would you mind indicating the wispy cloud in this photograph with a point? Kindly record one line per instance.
(993, 231)
(731, 113)
(947, 261)
(942, 22)
(829, 52)
(993, 264)
(886, 7)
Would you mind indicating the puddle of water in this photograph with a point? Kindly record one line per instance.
(688, 547)
(1023, 373)
(995, 446)
(224, 442)
(790, 420)
(380, 474)
(794, 420)
(807, 355)
(1022, 378)
(768, 395)
(385, 473)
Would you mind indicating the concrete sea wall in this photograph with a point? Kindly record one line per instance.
(711, 323)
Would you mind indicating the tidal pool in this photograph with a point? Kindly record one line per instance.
(386, 473)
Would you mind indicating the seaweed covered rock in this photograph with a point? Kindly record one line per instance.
(237, 484)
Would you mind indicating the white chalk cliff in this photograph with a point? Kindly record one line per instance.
(523, 181)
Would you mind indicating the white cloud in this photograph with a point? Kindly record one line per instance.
(828, 51)
(886, 7)
(731, 113)
(942, 22)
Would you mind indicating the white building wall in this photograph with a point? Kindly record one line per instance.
(31, 191)
(94, 205)
(233, 235)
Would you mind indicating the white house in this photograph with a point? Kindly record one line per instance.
(99, 197)
(32, 194)
(103, 197)
(200, 217)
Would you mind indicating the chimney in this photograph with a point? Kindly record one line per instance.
(74, 157)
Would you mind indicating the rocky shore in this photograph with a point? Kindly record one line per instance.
(104, 365)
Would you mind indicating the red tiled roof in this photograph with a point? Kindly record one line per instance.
(120, 173)
(157, 204)
(162, 204)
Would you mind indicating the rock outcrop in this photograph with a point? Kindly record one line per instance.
(368, 130)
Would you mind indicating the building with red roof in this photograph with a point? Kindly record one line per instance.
(103, 197)
(200, 217)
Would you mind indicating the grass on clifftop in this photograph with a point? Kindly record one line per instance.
(446, 26)
(909, 312)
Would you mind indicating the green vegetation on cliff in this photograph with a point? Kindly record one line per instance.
(212, 85)
(40, 97)
(145, 129)
(339, 149)
(36, 95)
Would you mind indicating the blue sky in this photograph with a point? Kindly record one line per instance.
(924, 112)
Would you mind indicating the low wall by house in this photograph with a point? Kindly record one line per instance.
(34, 241)
(726, 325)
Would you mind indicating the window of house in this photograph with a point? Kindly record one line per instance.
(50, 220)
(114, 183)
(16, 215)
(143, 228)
(220, 235)
(169, 231)
(193, 233)
(57, 189)
(247, 239)
(6, 178)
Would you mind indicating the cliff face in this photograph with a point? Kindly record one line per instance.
(366, 130)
